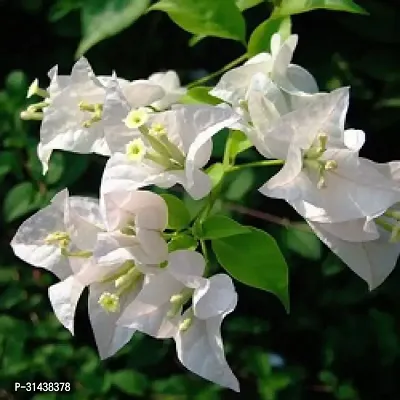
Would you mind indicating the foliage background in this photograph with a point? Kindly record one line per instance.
(339, 341)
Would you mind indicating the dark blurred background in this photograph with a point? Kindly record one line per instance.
(340, 341)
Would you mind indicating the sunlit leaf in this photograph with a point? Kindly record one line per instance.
(102, 19)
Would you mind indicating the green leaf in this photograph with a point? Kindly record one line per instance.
(56, 168)
(290, 7)
(303, 242)
(62, 8)
(103, 19)
(216, 172)
(245, 4)
(182, 242)
(130, 382)
(206, 17)
(218, 226)
(243, 181)
(255, 259)
(78, 167)
(178, 214)
(16, 83)
(199, 94)
(239, 143)
(18, 201)
(260, 39)
(6, 162)
(196, 39)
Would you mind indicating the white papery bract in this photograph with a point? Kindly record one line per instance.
(42, 238)
(372, 260)
(323, 177)
(135, 221)
(276, 66)
(72, 120)
(157, 311)
(60, 238)
(85, 244)
(198, 341)
(163, 148)
(170, 82)
(369, 246)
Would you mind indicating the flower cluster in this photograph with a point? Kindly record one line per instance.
(116, 246)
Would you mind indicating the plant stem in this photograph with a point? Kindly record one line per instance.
(263, 163)
(219, 72)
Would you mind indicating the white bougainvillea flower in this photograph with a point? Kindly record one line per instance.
(371, 260)
(60, 238)
(369, 246)
(135, 221)
(157, 311)
(44, 239)
(291, 78)
(73, 110)
(198, 340)
(322, 178)
(277, 130)
(111, 288)
(72, 120)
(165, 148)
(170, 82)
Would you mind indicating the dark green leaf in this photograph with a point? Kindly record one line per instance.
(218, 226)
(56, 168)
(255, 259)
(102, 19)
(206, 17)
(303, 242)
(290, 7)
(178, 214)
(62, 8)
(260, 39)
(18, 201)
(130, 382)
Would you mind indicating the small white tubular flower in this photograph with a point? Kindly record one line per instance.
(170, 82)
(140, 217)
(157, 309)
(125, 110)
(177, 146)
(73, 119)
(291, 78)
(352, 188)
(372, 260)
(198, 340)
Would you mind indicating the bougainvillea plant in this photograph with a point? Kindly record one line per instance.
(143, 257)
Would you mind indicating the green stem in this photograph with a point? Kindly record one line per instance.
(205, 254)
(219, 72)
(264, 163)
